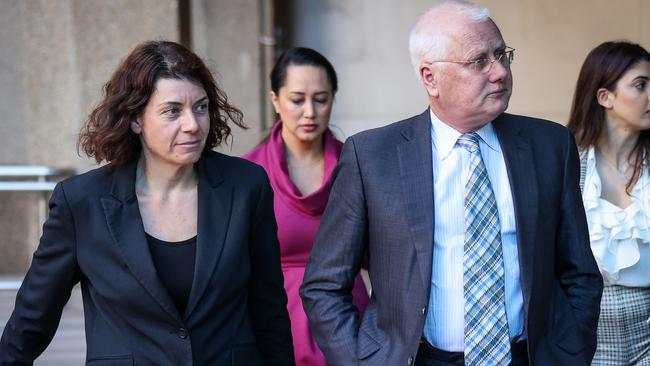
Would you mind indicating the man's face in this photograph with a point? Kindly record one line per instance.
(468, 98)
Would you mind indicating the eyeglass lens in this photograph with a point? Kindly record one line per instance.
(505, 58)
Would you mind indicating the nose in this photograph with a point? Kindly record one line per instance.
(498, 72)
(309, 110)
(189, 122)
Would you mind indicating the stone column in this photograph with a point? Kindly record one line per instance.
(227, 35)
(56, 56)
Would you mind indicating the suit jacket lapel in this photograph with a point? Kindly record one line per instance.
(416, 171)
(523, 185)
(215, 206)
(125, 224)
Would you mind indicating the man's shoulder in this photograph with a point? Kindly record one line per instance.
(394, 132)
(530, 124)
(540, 134)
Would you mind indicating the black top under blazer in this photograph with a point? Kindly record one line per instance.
(236, 312)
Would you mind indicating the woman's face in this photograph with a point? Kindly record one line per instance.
(304, 103)
(175, 123)
(628, 106)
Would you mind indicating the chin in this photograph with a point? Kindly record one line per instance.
(498, 109)
(189, 159)
(311, 137)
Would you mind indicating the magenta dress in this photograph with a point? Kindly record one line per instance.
(298, 219)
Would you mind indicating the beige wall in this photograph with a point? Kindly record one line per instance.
(367, 41)
(56, 55)
(552, 38)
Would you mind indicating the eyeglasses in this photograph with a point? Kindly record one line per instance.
(484, 65)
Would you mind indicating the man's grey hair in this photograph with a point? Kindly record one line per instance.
(428, 40)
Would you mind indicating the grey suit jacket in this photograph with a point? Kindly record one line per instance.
(381, 211)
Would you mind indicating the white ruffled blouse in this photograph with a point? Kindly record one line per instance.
(619, 237)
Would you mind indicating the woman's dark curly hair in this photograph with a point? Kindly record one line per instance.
(106, 134)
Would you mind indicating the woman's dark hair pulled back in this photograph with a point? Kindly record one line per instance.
(301, 56)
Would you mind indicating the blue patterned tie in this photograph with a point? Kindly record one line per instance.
(486, 326)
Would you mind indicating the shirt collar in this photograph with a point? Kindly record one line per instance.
(444, 136)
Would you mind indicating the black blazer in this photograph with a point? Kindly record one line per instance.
(381, 208)
(236, 312)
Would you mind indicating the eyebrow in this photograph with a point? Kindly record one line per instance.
(485, 52)
(303, 93)
(204, 99)
(176, 103)
(641, 77)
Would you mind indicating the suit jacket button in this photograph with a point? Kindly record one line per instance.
(424, 310)
(410, 360)
(182, 333)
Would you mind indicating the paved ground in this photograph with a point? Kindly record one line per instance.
(68, 348)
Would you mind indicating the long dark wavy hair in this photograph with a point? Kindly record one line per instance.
(603, 68)
(106, 135)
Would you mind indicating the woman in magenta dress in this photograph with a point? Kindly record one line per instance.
(299, 156)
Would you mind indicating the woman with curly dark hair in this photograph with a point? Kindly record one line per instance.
(174, 244)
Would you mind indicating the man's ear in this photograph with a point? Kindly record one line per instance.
(136, 127)
(429, 76)
(604, 98)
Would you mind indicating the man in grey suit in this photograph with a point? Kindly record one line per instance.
(469, 219)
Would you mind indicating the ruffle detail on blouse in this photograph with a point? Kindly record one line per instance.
(615, 233)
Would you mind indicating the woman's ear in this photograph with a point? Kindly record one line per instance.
(136, 127)
(274, 100)
(604, 97)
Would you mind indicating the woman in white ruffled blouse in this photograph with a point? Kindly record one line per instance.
(610, 119)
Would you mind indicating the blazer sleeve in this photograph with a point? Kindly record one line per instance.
(268, 300)
(45, 289)
(335, 261)
(576, 267)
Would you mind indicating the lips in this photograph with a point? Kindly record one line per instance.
(189, 144)
(309, 127)
(499, 92)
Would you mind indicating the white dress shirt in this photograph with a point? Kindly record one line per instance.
(445, 324)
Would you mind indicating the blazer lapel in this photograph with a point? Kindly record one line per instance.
(523, 185)
(125, 224)
(416, 174)
(215, 206)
